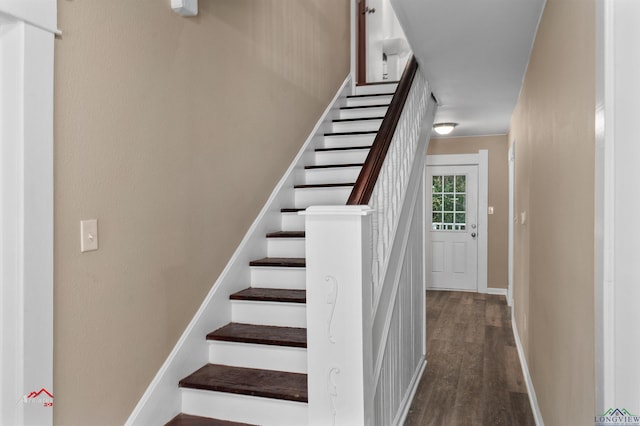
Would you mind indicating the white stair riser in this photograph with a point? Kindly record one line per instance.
(243, 408)
(369, 100)
(332, 175)
(306, 197)
(269, 313)
(363, 112)
(344, 141)
(356, 126)
(285, 247)
(292, 222)
(266, 357)
(376, 88)
(271, 277)
(326, 158)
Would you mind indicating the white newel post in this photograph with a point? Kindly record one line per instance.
(339, 301)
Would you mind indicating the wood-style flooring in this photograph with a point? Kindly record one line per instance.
(473, 374)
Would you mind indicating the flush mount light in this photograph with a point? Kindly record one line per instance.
(444, 128)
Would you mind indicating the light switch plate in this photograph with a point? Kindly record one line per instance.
(88, 235)
(523, 218)
(490, 210)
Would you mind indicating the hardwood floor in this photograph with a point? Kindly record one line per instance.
(473, 374)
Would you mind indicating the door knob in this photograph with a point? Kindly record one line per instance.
(473, 235)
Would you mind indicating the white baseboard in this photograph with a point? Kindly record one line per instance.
(535, 408)
(498, 291)
(413, 387)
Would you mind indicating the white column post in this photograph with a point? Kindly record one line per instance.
(339, 303)
(26, 223)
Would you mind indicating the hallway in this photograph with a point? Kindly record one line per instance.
(473, 374)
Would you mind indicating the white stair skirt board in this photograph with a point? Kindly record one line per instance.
(243, 408)
(497, 291)
(533, 400)
(279, 314)
(306, 197)
(349, 156)
(369, 100)
(278, 277)
(292, 222)
(357, 126)
(363, 112)
(345, 141)
(285, 247)
(266, 357)
(376, 88)
(332, 175)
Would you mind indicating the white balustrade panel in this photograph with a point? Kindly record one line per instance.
(401, 355)
(389, 193)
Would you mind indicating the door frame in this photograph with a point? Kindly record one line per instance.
(481, 159)
(512, 215)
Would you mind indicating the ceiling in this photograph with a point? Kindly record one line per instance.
(474, 54)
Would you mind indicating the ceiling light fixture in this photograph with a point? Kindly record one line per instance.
(444, 128)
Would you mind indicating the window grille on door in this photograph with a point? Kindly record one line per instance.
(448, 202)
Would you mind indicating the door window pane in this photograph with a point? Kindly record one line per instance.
(448, 203)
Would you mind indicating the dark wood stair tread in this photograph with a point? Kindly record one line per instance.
(323, 185)
(330, 166)
(364, 132)
(271, 295)
(366, 106)
(370, 94)
(249, 381)
(295, 262)
(378, 83)
(342, 148)
(261, 335)
(341, 120)
(286, 234)
(190, 420)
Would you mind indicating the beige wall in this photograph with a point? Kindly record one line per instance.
(553, 126)
(497, 256)
(172, 132)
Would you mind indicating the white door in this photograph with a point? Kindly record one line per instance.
(452, 252)
(374, 40)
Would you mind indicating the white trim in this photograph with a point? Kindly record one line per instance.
(405, 405)
(26, 220)
(481, 159)
(9, 16)
(617, 173)
(533, 400)
(605, 208)
(161, 400)
(354, 43)
(512, 210)
(498, 291)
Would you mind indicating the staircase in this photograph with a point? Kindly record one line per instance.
(257, 363)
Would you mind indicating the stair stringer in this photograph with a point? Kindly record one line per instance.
(161, 400)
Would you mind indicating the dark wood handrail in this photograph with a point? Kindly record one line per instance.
(361, 193)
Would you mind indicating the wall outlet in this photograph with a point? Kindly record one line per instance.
(88, 235)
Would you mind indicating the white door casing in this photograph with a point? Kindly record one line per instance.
(452, 253)
(480, 161)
